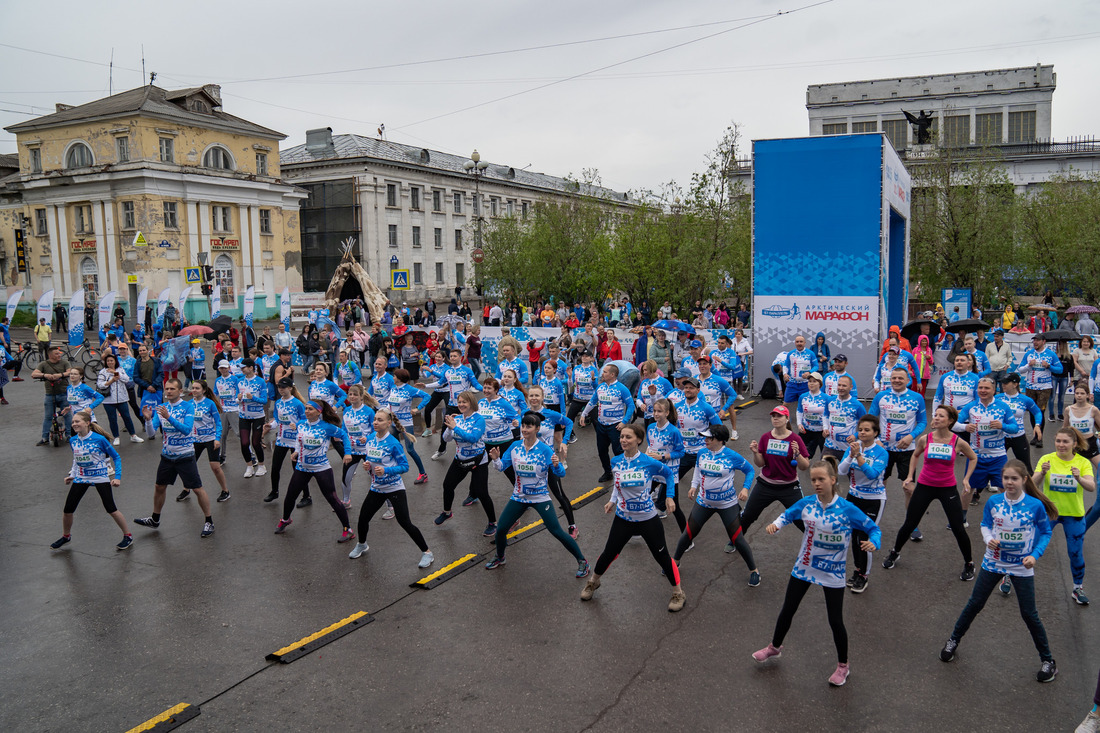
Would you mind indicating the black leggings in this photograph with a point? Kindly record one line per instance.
(252, 435)
(652, 531)
(873, 508)
(451, 410)
(277, 455)
(563, 500)
(922, 498)
(731, 519)
(298, 483)
(1021, 449)
(478, 469)
(400, 503)
(763, 495)
(433, 402)
(814, 440)
(834, 606)
(76, 493)
(575, 408)
(513, 510)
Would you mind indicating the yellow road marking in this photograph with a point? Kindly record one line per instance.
(584, 496)
(429, 578)
(319, 634)
(166, 715)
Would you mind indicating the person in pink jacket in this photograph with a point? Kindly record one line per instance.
(923, 358)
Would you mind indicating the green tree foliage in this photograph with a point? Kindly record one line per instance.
(1058, 227)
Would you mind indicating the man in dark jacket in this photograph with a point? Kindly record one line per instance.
(376, 343)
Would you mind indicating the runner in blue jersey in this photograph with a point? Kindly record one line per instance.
(889, 363)
(614, 407)
(842, 412)
(957, 388)
(290, 409)
(196, 362)
(315, 434)
(864, 462)
(531, 462)
(586, 376)
(1016, 529)
(902, 418)
(433, 372)
(693, 416)
(635, 513)
(358, 423)
(832, 379)
(80, 396)
(206, 432)
(552, 386)
(666, 444)
(796, 366)
(726, 362)
(467, 429)
(689, 359)
(400, 404)
(830, 520)
(386, 462)
(225, 387)
(458, 379)
(1037, 367)
(323, 389)
(555, 431)
(500, 417)
(1022, 406)
(175, 419)
(93, 460)
(347, 371)
(718, 393)
(810, 416)
(235, 359)
(251, 400)
(981, 361)
(510, 360)
(381, 382)
(513, 391)
(988, 420)
(652, 388)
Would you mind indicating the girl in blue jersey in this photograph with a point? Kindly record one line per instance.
(666, 444)
(864, 462)
(289, 410)
(386, 462)
(513, 391)
(81, 397)
(829, 520)
(810, 415)
(554, 431)
(225, 386)
(400, 405)
(552, 386)
(532, 463)
(207, 428)
(586, 377)
(652, 388)
(251, 403)
(1022, 406)
(323, 389)
(93, 457)
(381, 382)
(1016, 529)
(635, 513)
(467, 430)
(358, 421)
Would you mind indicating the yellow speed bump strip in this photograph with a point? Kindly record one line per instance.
(446, 573)
(302, 647)
(170, 719)
(531, 529)
(588, 498)
(743, 405)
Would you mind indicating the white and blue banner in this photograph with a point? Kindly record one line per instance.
(953, 298)
(183, 301)
(162, 303)
(284, 309)
(249, 304)
(13, 305)
(45, 307)
(76, 318)
(106, 303)
(216, 302)
(142, 304)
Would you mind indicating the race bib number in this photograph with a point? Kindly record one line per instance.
(777, 447)
(960, 391)
(827, 541)
(85, 461)
(710, 469)
(312, 442)
(689, 433)
(1063, 482)
(375, 454)
(897, 417)
(1085, 426)
(632, 478)
(940, 451)
(525, 469)
(838, 421)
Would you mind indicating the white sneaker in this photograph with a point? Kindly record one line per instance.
(388, 514)
(740, 396)
(733, 435)
(1091, 724)
(116, 441)
(261, 470)
(250, 471)
(358, 550)
(427, 433)
(136, 439)
(437, 456)
(426, 560)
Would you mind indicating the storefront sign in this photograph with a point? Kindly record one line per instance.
(221, 245)
(82, 245)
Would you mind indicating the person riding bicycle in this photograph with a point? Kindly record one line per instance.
(54, 371)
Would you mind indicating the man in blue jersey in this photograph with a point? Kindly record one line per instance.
(796, 366)
(988, 420)
(840, 369)
(614, 407)
(1040, 362)
(842, 414)
(902, 418)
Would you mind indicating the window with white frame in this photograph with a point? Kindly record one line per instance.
(223, 279)
(393, 235)
(261, 164)
(167, 150)
(222, 218)
(219, 158)
(438, 238)
(418, 276)
(171, 215)
(83, 219)
(128, 217)
(265, 221)
(122, 144)
(510, 207)
(494, 206)
(416, 237)
(458, 202)
(437, 200)
(79, 156)
(40, 227)
(89, 279)
(414, 198)
(391, 194)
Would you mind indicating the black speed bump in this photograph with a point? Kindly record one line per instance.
(446, 573)
(302, 647)
(589, 497)
(170, 719)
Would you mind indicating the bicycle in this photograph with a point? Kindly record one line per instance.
(27, 354)
(58, 433)
(88, 357)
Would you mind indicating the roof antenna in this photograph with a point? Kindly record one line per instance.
(143, 63)
(111, 75)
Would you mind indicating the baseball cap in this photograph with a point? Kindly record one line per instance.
(1039, 336)
(705, 358)
(286, 382)
(840, 357)
(696, 344)
(894, 350)
(706, 433)
(223, 364)
(248, 362)
(680, 374)
(689, 379)
(781, 410)
(1011, 377)
(816, 375)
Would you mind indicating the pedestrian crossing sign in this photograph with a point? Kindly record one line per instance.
(193, 275)
(399, 280)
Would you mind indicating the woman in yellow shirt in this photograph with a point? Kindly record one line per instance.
(1008, 318)
(1065, 476)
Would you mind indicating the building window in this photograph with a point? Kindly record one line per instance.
(83, 219)
(261, 164)
(167, 150)
(897, 132)
(510, 208)
(864, 126)
(989, 129)
(219, 158)
(458, 239)
(89, 279)
(391, 194)
(439, 272)
(438, 238)
(524, 210)
(123, 145)
(40, 227)
(128, 218)
(36, 160)
(223, 280)
(393, 235)
(79, 156)
(222, 221)
(265, 221)
(171, 215)
(414, 198)
(416, 237)
(460, 273)
(837, 128)
(956, 131)
(494, 207)
(418, 276)
(458, 202)
(1021, 127)
(437, 201)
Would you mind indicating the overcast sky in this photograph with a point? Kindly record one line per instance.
(641, 123)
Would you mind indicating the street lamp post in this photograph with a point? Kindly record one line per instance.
(476, 167)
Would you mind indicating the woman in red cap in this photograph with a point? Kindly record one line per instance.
(779, 454)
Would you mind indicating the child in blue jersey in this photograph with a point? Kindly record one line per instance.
(512, 390)
(358, 421)
(207, 429)
(93, 456)
(555, 430)
(400, 405)
(81, 397)
(196, 361)
(467, 429)
(864, 462)
(1021, 406)
(652, 388)
(323, 389)
(666, 444)
(810, 415)
(1016, 530)
(552, 386)
(532, 463)
(635, 513)
(289, 410)
(829, 520)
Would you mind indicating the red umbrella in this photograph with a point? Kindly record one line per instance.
(195, 330)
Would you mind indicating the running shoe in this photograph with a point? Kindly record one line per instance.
(917, 535)
(42, 442)
(734, 435)
(426, 560)
(1047, 672)
(358, 550)
(768, 652)
(590, 588)
(1091, 723)
(282, 525)
(572, 439)
(250, 471)
(891, 559)
(427, 433)
(388, 514)
(207, 529)
(840, 676)
(421, 478)
(437, 456)
(851, 579)
(261, 470)
(730, 548)
(582, 569)
(1006, 585)
(754, 578)
(136, 439)
(304, 502)
(443, 517)
(604, 478)
(147, 522)
(272, 496)
(125, 543)
(574, 532)
(469, 501)
(495, 563)
(17, 379)
(947, 654)
(859, 584)
(661, 514)
(968, 572)
(346, 504)
(346, 536)
(690, 547)
(184, 495)
(4, 401)
(61, 542)
(1079, 597)
(490, 529)
(676, 603)
(224, 496)
(116, 441)
(740, 396)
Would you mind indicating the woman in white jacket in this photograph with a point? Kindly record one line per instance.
(111, 382)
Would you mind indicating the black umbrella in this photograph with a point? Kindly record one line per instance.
(911, 330)
(1060, 334)
(967, 325)
(221, 324)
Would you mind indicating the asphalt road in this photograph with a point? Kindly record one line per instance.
(97, 640)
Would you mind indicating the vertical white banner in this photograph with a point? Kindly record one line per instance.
(216, 302)
(249, 304)
(76, 318)
(105, 304)
(142, 304)
(183, 300)
(162, 303)
(13, 304)
(45, 307)
(284, 309)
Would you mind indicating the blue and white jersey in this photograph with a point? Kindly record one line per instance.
(92, 459)
(515, 396)
(881, 381)
(498, 414)
(553, 391)
(82, 397)
(1038, 366)
(235, 367)
(688, 364)
(715, 477)
(388, 453)
(380, 386)
(468, 435)
(811, 411)
(359, 425)
(313, 442)
(956, 390)
(437, 372)
(667, 440)
(251, 397)
(127, 363)
(197, 357)
(523, 373)
(288, 413)
(1021, 405)
(822, 559)
(830, 380)
(532, 468)
(552, 419)
(988, 442)
(208, 421)
(866, 480)
(458, 379)
(585, 379)
(693, 419)
(348, 373)
(797, 365)
(717, 392)
(616, 405)
(176, 430)
(328, 391)
(631, 485)
(400, 402)
(226, 389)
(841, 419)
(982, 362)
(266, 362)
(1094, 386)
(645, 399)
(676, 397)
(899, 415)
(727, 364)
(1021, 528)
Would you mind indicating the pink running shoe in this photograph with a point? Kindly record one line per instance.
(346, 536)
(840, 676)
(282, 525)
(767, 653)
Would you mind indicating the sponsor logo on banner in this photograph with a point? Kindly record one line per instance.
(819, 311)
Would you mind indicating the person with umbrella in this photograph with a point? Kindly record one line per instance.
(1039, 365)
(1085, 325)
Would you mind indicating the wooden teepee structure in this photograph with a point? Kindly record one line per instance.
(350, 280)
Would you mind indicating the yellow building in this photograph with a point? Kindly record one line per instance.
(198, 184)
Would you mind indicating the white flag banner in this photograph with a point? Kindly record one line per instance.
(45, 307)
(105, 304)
(13, 304)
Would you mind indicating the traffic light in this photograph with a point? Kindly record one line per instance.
(207, 289)
(207, 279)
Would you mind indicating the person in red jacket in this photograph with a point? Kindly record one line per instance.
(612, 348)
